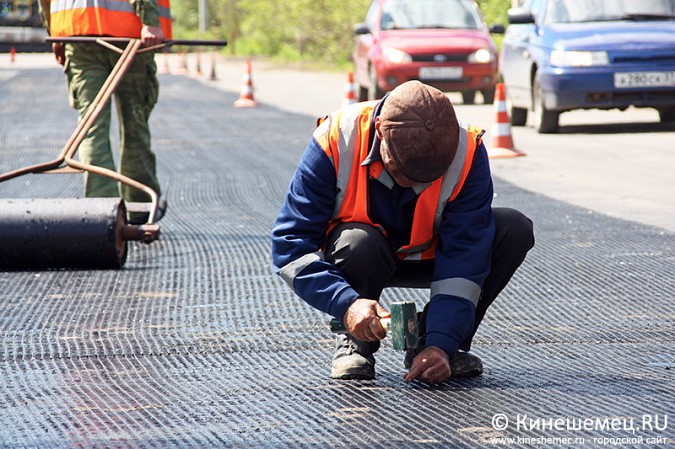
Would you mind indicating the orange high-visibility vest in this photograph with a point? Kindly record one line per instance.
(102, 18)
(344, 137)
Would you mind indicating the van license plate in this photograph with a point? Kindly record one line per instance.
(644, 79)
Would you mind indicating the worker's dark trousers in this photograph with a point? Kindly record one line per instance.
(367, 261)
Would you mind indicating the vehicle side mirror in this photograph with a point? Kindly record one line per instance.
(519, 16)
(361, 28)
(497, 28)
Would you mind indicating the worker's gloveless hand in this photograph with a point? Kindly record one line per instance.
(432, 365)
(59, 52)
(362, 320)
(151, 35)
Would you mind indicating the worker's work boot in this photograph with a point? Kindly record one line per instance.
(353, 359)
(139, 218)
(465, 364)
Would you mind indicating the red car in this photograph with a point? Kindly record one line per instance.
(443, 43)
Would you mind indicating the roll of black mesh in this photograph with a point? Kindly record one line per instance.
(44, 233)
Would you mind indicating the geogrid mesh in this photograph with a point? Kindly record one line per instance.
(196, 343)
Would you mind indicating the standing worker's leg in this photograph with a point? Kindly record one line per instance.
(365, 259)
(135, 98)
(87, 67)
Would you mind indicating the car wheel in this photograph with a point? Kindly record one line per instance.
(545, 121)
(363, 93)
(469, 96)
(667, 115)
(488, 96)
(518, 116)
(374, 91)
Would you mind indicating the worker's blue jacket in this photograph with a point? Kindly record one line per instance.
(462, 249)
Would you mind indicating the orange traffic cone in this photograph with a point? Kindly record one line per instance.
(350, 92)
(198, 64)
(165, 63)
(501, 145)
(181, 68)
(214, 77)
(246, 92)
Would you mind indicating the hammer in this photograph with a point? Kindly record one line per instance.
(403, 325)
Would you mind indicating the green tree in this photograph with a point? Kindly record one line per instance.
(494, 11)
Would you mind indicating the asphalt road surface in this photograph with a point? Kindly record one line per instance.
(196, 343)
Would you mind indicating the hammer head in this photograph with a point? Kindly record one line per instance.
(403, 327)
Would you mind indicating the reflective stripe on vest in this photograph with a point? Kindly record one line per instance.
(344, 138)
(102, 18)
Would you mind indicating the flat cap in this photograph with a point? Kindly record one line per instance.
(420, 128)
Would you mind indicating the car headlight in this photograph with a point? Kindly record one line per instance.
(396, 56)
(565, 58)
(482, 56)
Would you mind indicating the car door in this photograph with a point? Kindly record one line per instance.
(364, 43)
(516, 54)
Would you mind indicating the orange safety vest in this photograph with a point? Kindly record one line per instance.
(344, 137)
(102, 18)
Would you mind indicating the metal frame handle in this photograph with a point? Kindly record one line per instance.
(149, 231)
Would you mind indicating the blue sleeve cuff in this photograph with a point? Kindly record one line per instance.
(450, 319)
(342, 302)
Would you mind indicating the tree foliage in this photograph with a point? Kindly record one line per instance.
(494, 11)
(320, 31)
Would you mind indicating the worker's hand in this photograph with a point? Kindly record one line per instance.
(432, 365)
(151, 35)
(362, 320)
(59, 52)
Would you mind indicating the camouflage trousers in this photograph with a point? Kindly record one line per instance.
(87, 66)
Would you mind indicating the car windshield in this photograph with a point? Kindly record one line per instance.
(568, 11)
(415, 14)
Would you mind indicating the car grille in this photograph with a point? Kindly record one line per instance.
(433, 57)
(641, 59)
(643, 97)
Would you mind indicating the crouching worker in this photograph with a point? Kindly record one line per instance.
(397, 193)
